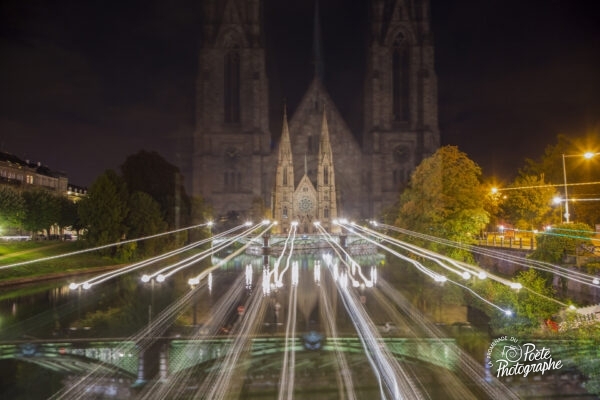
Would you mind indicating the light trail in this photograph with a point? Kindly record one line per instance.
(144, 338)
(453, 387)
(468, 268)
(239, 251)
(343, 369)
(436, 277)
(546, 186)
(468, 366)
(223, 385)
(566, 273)
(112, 274)
(286, 379)
(352, 265)
(103, 247)
(278, 280)
(393, 380)
(178, 266)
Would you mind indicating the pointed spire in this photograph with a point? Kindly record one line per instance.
(325, 146)
(317, 45)
(285, 147)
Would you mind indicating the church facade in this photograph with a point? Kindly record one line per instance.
(329, 171)
(304, 204)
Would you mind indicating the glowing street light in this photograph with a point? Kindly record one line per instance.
(587, 156)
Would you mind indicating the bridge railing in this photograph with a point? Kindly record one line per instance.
(509, 242)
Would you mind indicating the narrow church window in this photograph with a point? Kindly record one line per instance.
(232, 86)
(326, 213)
(326, 175)
(400, 79)
(285, 181)
(285, 212)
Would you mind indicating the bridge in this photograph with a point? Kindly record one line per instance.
(168, 356)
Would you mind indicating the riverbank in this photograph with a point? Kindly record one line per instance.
(56, 275)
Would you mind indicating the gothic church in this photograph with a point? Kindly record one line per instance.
(357, 175)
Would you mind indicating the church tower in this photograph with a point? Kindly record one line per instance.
(284, 182)
(232, 138)
(303, 203)
(327, 200)
(400, 117)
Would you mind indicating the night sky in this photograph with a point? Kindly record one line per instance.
(85, 84)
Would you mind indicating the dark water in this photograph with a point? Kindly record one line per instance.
(124, 306)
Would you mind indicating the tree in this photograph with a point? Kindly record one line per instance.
(42, 210)
(560, 240)
(529, 204)
(150, 173)
(144, 219)
(580, 173)
(445, 197)
(67, 214)
(530, 305)
(104, 209)
(12, 207)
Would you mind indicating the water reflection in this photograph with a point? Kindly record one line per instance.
(263, 339)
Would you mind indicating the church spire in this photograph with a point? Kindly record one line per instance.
(325, 145)
(284, 180)
(285, 147)
(318, 45)
(326, 189)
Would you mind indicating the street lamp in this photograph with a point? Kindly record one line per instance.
(587, 156)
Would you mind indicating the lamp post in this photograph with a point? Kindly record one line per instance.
(566, 195)
(587, 156)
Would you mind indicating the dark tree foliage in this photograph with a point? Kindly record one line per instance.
(145, 219)
(150, 173)
(12, 208)
(104, 209)
(561, 240)
(42, 210)
(68, 216)
(582, 175)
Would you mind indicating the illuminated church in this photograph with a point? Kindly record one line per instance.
(304, 203)
(318, 168)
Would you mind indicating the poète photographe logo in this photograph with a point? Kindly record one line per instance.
(507, 357)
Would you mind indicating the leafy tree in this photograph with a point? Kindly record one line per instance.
(529, 205)
(445, 197)
(201, 213)
(530, 305)
(562, 239)
(12, 207)
(104, 209)
(580, 172)
(150, 173)
(42, 210)
(145, 219)
(67, 214)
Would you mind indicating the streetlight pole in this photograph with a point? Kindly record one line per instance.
(566, 195)
(587, 156)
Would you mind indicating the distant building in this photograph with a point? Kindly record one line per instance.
(307, 202)
(76, 193)
(26, 175)
(234, 161)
